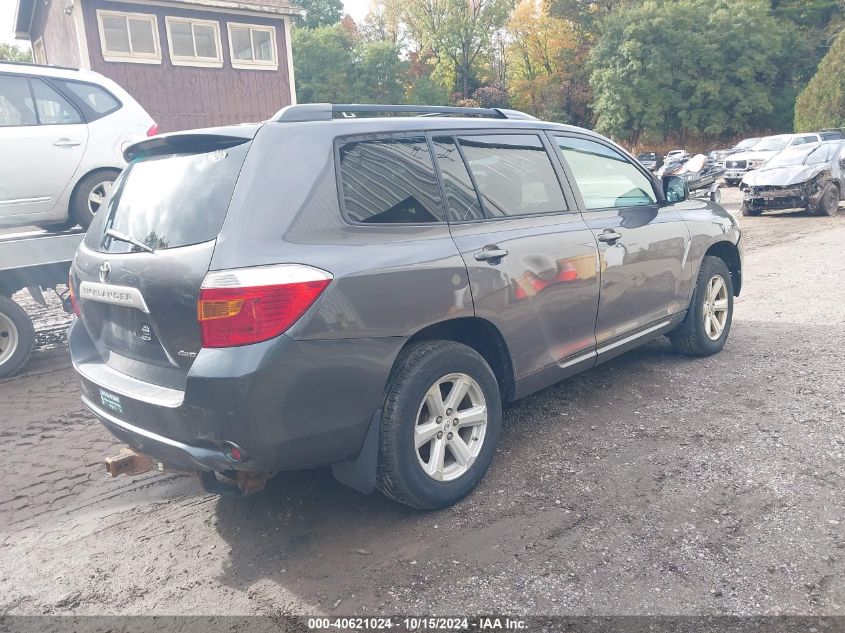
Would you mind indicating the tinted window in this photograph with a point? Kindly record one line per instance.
(53, 108)
(389, 181)
(173, 200)
(16, 102)
(461, 198)
(514, 175)
(604, 176)
(92, 97)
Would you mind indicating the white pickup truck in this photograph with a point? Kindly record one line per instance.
(737, 165)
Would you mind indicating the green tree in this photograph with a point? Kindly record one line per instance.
(822, 104)
(379, 73)
(456, 31)
(320, 12)
(14, 53)
(323, 64)
(702, 67)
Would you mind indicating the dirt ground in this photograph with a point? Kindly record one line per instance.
(654, 484)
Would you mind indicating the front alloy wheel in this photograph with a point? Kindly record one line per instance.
(715, 307)
(451, 425)
(708, 322)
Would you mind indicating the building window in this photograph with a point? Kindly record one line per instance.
(129, 37)
(38, 52)
(194, 42)
(253, 46)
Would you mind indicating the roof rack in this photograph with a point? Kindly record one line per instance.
(328, 111)
(34, 65)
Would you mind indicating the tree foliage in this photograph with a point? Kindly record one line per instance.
(681, 67)
(456, 31)
(14, 53)
(822, 104)
(323, 64)
(639, 70)
(320, 12)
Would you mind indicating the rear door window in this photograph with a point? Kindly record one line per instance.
(513, 174)
(16, 104)
(461, 198)
(389, 181)
(94, 99)
(605, 177)
(53, 108)
(172, 200)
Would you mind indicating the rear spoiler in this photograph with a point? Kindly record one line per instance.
(193, 142)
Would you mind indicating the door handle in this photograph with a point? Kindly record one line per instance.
(490, 254)
(609, 236)
(66, 142)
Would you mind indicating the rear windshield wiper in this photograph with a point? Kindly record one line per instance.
(123, 237)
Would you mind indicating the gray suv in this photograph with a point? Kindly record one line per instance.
(341, 287)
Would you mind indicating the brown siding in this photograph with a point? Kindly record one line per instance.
(58, 32)
(185, 97)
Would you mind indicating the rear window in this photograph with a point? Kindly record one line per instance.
(171, 200)
(390, 181)
(95, 99)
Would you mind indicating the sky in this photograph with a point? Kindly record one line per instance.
(356, 8)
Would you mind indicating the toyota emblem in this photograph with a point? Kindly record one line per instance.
(105, 271)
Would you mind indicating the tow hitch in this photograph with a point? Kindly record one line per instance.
(128, 462)
(239, 483)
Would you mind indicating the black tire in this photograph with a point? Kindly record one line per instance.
(80, 211)
(749, 211)
(400, 474)
(15, 325)
(691, 337)
(828, 201)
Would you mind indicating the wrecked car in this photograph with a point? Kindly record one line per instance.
(739, 164)
(718, 156)
(807, 177)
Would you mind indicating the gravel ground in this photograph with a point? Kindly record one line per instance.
(654, 484)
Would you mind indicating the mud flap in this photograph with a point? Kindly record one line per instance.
(360, 473)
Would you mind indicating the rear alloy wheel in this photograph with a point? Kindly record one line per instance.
(17, 337)
(708, 322)
(90, 196)
(829, 200)
(440, 425)
(451, 425)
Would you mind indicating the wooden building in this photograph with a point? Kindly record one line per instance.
(190, 63)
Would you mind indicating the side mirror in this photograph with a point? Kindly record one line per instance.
(675, 189)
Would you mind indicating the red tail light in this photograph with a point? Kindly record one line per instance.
(74, 304)
(249, 305)
(153, 129)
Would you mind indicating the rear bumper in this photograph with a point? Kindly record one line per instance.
(163, 448)
(287, 404)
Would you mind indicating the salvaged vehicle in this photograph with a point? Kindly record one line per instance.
(739, 164)
(718, 156)
(62, 136)
(340, 287)
(650, 160)
(809, 177)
